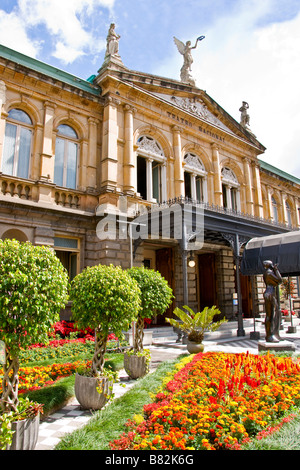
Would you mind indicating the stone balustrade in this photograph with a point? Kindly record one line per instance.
(67, 199)
(16, 188)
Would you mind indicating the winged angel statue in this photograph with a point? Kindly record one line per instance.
(185, 50)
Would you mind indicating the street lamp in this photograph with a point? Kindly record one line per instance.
(191, 261)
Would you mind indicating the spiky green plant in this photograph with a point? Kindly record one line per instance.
(196, 324)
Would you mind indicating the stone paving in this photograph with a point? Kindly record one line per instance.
(163, 348)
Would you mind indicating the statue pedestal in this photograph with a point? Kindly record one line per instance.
(281, 346)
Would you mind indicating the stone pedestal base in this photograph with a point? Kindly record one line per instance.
(281, 346)
(254, 335)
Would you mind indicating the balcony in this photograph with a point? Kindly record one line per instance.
(11, 187)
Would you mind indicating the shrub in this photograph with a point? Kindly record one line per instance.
(106, 299)
(156, 296)
(33, 290)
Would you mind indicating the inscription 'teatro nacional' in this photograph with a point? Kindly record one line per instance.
(200, 128)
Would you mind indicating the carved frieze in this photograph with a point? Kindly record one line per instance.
(194, 162)
(194, 106)
(149, 145)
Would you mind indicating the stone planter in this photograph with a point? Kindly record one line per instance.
(87, 394)
(26, 434)
(194, 348)
(135, 366)
(147, 339)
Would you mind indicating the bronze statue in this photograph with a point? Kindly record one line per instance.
(272, 278)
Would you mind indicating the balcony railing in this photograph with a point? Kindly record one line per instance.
(220, 210)
(67, 198)
(16, 188)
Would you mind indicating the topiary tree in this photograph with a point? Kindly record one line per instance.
(106, 299)
(33, 290)
(156, 296)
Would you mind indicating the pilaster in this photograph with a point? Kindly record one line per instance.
(178, 168)
(109, 161)
(129, 167)
(217, 175)
(47, 160)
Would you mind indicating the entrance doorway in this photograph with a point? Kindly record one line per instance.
(207, 280)
(165, 265)
(246, 294)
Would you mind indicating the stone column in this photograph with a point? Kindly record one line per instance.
(193, 187)
(284, 210)
(217, 176)
(47, 157)
(270, 208)
(178, 168)
(249, 193)
(164, 195)
(257, 186)
(109, 161)
(297, 215)
(2, 121)
(129, 168)
(205, 192)
(92, 155)
(228, 197)
(149, 178)
(82, 176)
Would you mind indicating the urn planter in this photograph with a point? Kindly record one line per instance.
(136, 365)
(26, 432)
(194, 348)
(92, 392)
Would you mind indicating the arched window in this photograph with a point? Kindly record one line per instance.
(275, 210)
(151, 170)
(17, 144)
(288, 213)
(194, 178)
(66, 154)
(230, 189)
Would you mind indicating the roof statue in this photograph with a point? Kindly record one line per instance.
(245, 118)
(112, 42)
(185, 50)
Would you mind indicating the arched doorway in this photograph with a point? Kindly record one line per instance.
(15, 234)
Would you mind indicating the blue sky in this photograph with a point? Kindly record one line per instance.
(251, 51)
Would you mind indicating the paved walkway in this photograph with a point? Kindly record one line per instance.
(164, 348)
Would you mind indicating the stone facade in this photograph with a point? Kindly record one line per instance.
(72, 149)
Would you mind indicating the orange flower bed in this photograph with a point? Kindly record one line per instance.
(216, 401)
(33, 378)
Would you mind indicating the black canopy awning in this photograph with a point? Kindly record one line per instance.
(282, 249)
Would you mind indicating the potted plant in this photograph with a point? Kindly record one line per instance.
(106, 299)
(33, 290)
(195, 325)
(156, 296)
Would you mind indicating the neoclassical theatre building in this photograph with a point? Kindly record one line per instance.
(81, 160)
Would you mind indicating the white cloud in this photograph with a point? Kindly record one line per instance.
(13, 34)
(241, 61)
(261, 66)
(66, 24)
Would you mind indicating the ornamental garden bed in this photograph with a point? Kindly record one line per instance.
(49, 369)
(216, 401)
(206, 401)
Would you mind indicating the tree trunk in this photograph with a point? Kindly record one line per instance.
(100, 350)
(139, 335)
(10, 383)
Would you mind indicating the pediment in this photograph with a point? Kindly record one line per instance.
(196, 107)
(185, 98)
